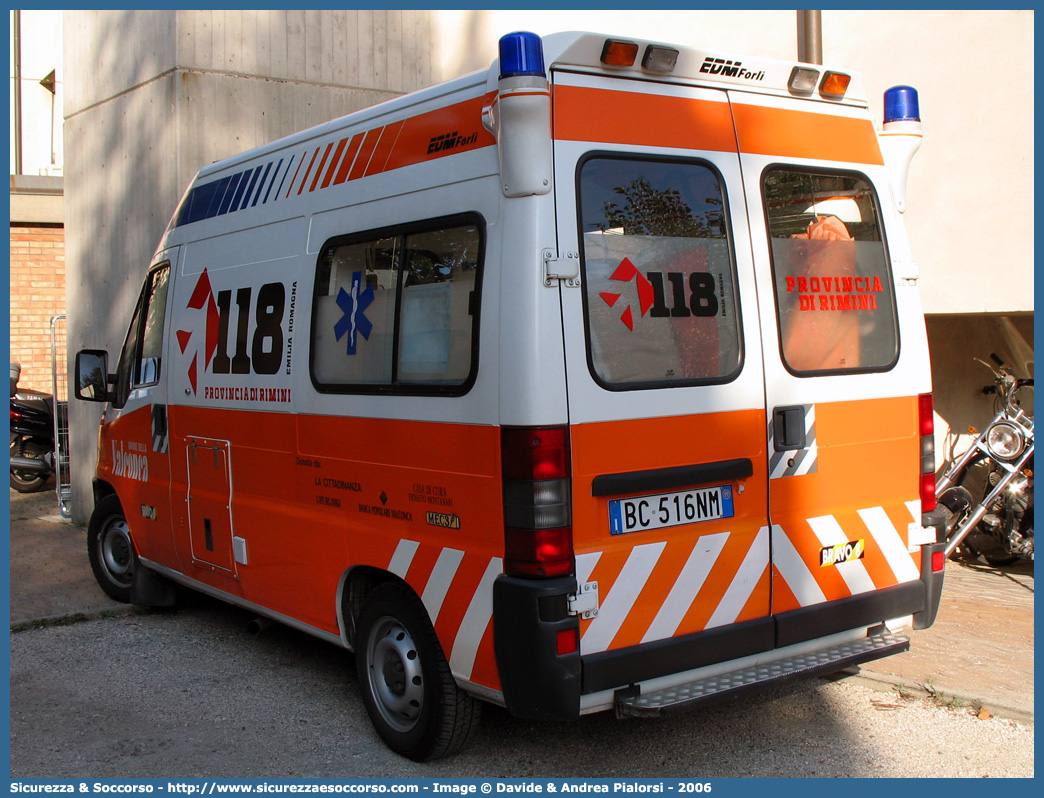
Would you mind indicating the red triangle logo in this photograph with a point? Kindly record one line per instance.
(183, 339)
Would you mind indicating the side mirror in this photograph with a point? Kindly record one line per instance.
(92, 375)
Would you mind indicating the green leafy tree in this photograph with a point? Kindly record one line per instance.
(654, 212)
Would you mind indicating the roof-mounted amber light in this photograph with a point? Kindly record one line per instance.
(659, 59)
(803, 80)
(834, 85)
(619, 53)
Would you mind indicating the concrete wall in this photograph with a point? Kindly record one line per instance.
(154, 95)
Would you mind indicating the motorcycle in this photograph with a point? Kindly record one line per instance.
(988, 490)
(32, 437)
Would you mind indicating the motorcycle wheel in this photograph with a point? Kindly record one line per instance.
(958, 504)
(28, 481)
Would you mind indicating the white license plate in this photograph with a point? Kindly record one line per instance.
(669, 509)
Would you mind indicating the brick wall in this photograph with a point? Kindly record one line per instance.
(37, 295)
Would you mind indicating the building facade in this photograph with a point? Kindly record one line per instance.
(36, 192)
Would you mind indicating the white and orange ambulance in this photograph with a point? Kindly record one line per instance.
(598, 380)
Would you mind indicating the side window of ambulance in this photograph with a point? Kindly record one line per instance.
(142, 353)
(398, 309)
(660, 293)
(833, 285)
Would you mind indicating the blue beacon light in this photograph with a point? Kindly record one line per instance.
(900, 105)
(521, 53)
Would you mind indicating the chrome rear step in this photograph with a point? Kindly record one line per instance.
(631, 702)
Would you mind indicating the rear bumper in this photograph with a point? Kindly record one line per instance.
(633, 702)
(540, 683)
(528, 614)
(626, 666)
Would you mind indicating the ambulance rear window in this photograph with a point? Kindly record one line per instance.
(659, 286)
(397, 309)
(833, 286)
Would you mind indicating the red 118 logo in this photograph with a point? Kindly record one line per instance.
(651, 296)
(265, 347)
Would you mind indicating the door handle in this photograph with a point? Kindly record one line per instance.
(788, 427)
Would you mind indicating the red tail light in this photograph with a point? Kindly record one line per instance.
(566, 641)
(538, 533)
(15, 414)
(926, 426)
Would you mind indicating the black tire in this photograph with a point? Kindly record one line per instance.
(1000, 560)
(111, 550)
(409, 692)
(958, 503)
(28, 481)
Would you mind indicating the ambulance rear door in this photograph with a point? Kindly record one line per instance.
(842, 375)
(664, 376)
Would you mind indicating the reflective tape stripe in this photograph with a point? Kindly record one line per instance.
(915, 510)
(476, 619)
(620, 599)
(793, 570)
(693, 574)
(439, 581)
(890, 543)
(403, 556)
(830, 533)
(585, 564)
(743, 584)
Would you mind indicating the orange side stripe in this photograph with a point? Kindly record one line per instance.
(800, 134)
(349, 159)
(416, 133)
(294, 179)
(319, 169)
(308, 171)
(624, 117)
(387, 141)
(334, 162)
(365, 152)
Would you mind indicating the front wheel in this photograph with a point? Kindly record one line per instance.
(110, 549)
(957, 502)
(407, 687)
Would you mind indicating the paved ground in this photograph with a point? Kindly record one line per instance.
(980, 650)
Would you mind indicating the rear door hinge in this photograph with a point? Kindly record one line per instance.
(585, 602)
(567, 268)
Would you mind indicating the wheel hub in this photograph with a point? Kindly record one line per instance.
(116, 551)
(395, 674)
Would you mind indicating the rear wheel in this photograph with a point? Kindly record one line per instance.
(28, 481)
(110, 550)
(407, 687)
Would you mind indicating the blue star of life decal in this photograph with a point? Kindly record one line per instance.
(354, 306)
